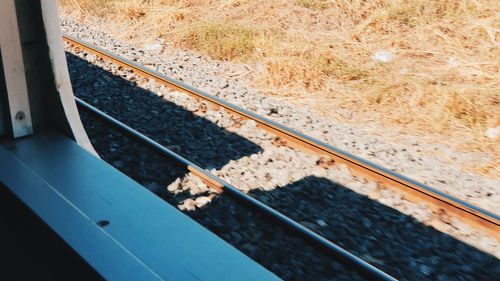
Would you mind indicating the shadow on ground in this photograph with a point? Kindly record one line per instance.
(204, 142)
(395, 242)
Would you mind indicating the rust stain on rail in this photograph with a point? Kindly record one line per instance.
(218, 187)
(438, 204)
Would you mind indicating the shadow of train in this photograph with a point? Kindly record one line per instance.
(397, 243)
(167, 123)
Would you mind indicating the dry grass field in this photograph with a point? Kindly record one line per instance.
(440, 80)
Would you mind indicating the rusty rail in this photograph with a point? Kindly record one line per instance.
(439, 202)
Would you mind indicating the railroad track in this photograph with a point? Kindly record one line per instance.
(347, 257)
(359, 264)
(413, 191)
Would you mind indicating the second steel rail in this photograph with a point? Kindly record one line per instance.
(341, 254)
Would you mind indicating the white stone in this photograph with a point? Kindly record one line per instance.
(188, 204)
(321, 223)
(382, 56)
(452, 62)
(153, 47)
(404, 71)
(492, 133)
(202, 201)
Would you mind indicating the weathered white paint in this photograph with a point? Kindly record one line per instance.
(61, 75)
(12, 56)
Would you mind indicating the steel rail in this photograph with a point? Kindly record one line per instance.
(414, 191)
(345, 256)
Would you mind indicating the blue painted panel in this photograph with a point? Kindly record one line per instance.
(72, 190)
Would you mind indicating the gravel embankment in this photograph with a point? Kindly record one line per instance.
(227, 81)
(387, 232)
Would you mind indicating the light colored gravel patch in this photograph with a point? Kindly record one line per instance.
(278, 166)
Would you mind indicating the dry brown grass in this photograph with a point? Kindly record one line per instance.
(444, 80)
(314, 4)
(222, 41)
